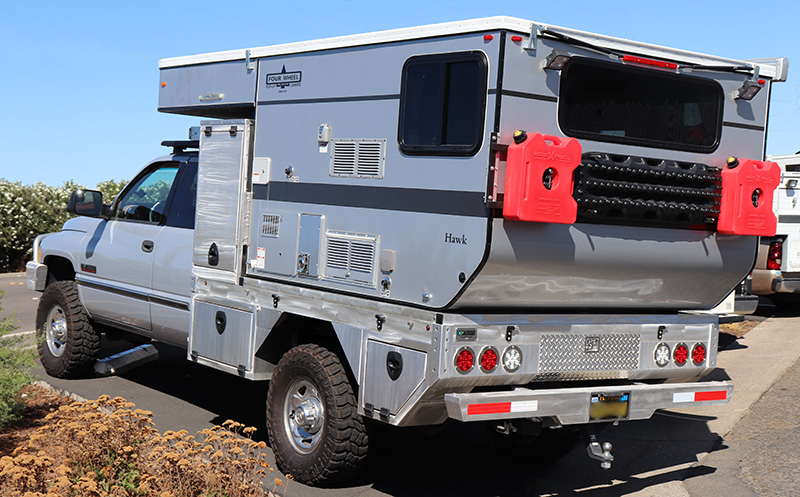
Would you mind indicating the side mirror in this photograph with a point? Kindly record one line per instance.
(87, 203)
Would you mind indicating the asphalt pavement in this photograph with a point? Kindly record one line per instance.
(750, 447)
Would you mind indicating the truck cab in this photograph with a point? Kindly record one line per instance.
(129, 261)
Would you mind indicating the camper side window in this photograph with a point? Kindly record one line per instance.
(442, 104)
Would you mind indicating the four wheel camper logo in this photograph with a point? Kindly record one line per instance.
(284, 79)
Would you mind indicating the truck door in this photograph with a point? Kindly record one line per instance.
(116, 267)
(172, 262)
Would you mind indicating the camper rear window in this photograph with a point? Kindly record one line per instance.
(624, 104)
(442, 103)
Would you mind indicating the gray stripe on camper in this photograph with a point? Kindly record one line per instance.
(455, 203)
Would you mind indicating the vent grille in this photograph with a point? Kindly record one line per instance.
(646, 192)
(363, 158)
(270, 225)
(350, 258)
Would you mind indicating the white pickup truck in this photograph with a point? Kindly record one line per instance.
(133, 264)
(489, 221)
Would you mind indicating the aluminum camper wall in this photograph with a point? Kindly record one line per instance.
(339, 204)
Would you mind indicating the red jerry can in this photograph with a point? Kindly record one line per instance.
(748, 187)
(539, 179)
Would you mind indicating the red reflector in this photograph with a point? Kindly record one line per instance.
(746, 205)
(539, 179)
(650, 62)
(488, 37)
(699, 353)
(701, 396)
(762, 81)
(681, 354)
(516, 39)
(496, 408)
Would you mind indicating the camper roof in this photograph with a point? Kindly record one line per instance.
(775, 68)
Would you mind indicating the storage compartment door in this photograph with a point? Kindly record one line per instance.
(392, 374)
(222, 334)
(224, 158)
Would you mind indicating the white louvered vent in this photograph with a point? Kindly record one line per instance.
(362, 158)
(270, 225)
(350, 258)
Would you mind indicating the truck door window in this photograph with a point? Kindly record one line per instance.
(147, 199)
(184, 202)
(625, 104)
(442, 104)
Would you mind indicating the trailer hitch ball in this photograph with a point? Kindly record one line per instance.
(601, 452)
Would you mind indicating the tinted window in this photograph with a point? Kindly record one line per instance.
(610, 102)
(184, 203)
(442, 104)
(147, 198)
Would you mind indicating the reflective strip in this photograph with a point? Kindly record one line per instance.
(502, 407)
(528, 405)
(701, 396)
(678, 398)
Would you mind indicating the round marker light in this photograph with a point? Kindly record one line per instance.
(662, 355)
(465, 359)
(488, 359)
(681, 354)
(699, 354)
(512, 359)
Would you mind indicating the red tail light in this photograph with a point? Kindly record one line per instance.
(650, 62)
(699, 354)
(681, 354)
(465, 359)
(488, 360)
(775, 255)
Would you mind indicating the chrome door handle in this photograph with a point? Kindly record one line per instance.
(147, 246)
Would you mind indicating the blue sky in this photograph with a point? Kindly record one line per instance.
(79, 81)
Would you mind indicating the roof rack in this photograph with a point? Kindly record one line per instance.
(179, 146)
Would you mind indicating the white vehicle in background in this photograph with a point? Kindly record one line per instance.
(777, 269)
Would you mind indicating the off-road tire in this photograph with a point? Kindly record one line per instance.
(342, 444)
(80, 345)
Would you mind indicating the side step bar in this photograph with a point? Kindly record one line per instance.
(586, 404)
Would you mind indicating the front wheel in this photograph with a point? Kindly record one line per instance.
(314, 428)
(68, 345)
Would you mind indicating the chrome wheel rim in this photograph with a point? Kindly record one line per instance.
(303, 416)
(56, 331)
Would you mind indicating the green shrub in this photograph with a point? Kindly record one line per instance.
(16, 359)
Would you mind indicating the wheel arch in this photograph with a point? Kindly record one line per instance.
(291, 330)
(59, 268)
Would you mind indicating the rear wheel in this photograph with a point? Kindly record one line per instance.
(314, 428)
(68, 345)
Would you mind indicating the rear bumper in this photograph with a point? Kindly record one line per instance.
(769, 281)
(571, 405)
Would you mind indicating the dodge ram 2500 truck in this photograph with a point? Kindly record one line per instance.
(492, 220)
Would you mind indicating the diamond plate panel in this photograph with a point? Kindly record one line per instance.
(563, 353)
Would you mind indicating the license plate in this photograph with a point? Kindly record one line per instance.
(609, 406)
